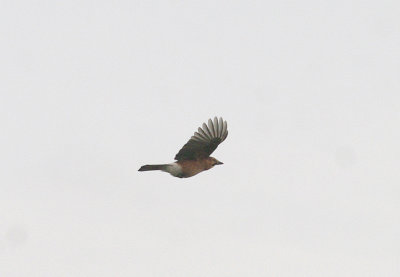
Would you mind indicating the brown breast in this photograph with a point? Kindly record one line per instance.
(193, 167)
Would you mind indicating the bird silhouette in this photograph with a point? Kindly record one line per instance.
(194, 157)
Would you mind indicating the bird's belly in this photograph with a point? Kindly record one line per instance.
(174, 169)
(191, 168)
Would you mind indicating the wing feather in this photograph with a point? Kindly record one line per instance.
(225, 131)
(204, 141)
(199, 137)
(204, 135)
(211, 127)
(216, 127)
(220, 126)
(205, 129)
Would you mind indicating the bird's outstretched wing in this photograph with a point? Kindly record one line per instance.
(204, 141)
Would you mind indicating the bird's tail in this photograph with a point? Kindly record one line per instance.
(148, 167)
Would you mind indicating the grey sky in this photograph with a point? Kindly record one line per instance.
(90, 91)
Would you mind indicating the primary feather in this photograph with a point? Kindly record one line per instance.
(205, 141)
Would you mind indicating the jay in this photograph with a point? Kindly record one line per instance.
(194, 157)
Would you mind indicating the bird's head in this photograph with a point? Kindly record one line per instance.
(214, 161)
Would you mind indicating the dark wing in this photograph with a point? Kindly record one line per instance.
(204, 141)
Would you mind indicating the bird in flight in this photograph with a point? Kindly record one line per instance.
(194, 157)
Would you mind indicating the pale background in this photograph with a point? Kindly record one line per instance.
(91, 90)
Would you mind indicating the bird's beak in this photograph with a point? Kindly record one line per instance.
(219, 163)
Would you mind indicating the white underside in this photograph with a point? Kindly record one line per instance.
(174, 169)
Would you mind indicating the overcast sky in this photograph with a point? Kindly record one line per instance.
(92, 90)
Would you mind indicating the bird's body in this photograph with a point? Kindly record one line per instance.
(194, 157)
